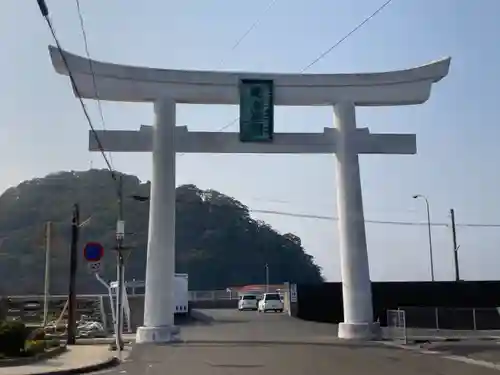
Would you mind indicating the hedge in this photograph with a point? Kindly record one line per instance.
(12, 338)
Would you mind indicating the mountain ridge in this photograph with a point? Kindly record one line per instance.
(218, 243)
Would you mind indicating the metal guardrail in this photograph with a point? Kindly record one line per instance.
(194, 295)
(32, 305)
(424, 323)
(446, 318)
(30, 308)
(211, 295)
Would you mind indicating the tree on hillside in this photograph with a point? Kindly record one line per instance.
(218, 243)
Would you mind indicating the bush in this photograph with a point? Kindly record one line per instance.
(12, 338)
(37, 334)
(33, 347)
(4, 308)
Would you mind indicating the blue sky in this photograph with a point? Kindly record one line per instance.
(44, 130)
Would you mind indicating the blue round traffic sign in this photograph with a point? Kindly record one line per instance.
(93, 251)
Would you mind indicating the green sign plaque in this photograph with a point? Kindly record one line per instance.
(256, 110)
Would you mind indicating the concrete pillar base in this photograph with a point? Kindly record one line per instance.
(360, 331)
(157, 335)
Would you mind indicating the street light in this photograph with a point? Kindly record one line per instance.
(429, 231)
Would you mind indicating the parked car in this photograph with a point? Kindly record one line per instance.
(247, 302)
(270, 302)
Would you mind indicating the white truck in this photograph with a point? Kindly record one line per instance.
(135, 287)
(181, 294)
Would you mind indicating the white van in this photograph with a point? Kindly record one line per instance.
(247, 302)
(271, 302)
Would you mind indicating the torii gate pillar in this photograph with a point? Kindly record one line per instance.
(165, 88)
(159, 301)
(354, 267)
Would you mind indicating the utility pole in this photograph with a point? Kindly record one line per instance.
(267, 278)
(46, 284)
(73, 266)
(455, 246)
(120, 235)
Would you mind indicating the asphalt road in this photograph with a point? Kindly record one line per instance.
(235, 343)
(251, 326)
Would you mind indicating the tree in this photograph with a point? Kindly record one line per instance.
(217, 242)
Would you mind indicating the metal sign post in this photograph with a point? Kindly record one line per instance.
(120, 275)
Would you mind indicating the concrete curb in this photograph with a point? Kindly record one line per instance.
(281, 342)
(338, 343)
(103, 341)
(25, 361)
(103, 365)
(457, 358)
(422, 340)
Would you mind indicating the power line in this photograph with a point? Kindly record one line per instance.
(44, 10)
(236, 45)
(335, 218)
(387, 222)
(345, 37)
(91, 66)
(252, 27)
(75, 221)
(330, 49)
(478, 225)
(45, 13)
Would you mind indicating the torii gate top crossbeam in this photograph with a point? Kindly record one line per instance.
(138, 84)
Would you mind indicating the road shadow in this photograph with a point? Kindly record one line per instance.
(187, 320)
(205, 318)
(480, 350)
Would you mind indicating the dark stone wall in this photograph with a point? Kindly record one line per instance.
(454, 302)
(214, 304)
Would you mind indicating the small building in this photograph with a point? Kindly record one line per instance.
(259, 289)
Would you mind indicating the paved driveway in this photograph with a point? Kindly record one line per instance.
(235, 343)
(251, 326)
(297, 359)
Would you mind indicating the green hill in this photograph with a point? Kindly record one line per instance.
(218, 243)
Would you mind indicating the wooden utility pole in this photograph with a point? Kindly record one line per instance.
(267, 277)
(455, 246)
(46, 284)
(73, 266)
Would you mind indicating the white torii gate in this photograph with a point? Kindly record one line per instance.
(165, 88)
